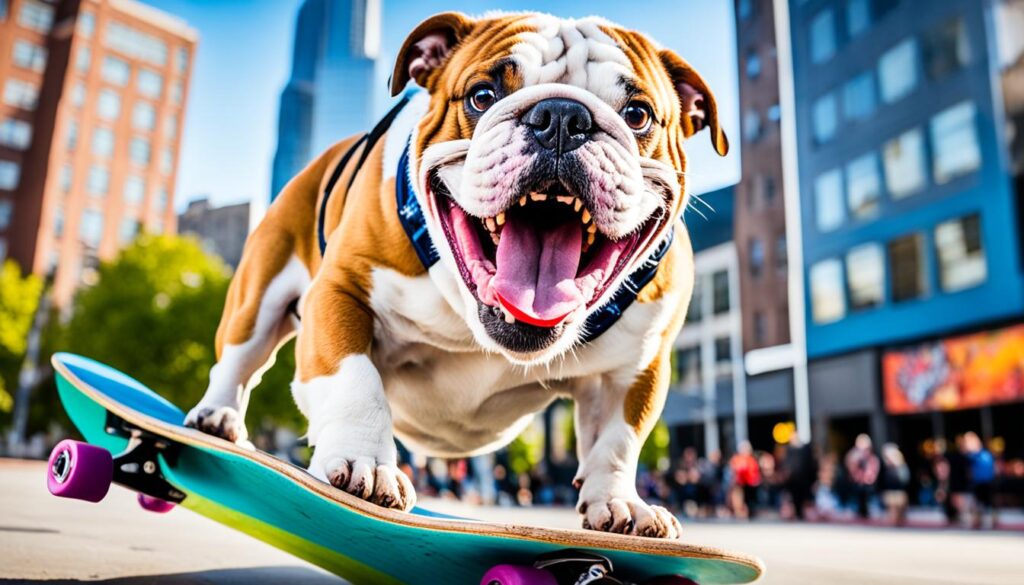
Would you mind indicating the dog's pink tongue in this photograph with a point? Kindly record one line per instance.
(536, 269)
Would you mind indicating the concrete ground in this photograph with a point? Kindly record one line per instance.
(43, 538)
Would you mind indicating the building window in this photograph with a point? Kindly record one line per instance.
(86, 24)
(134, 190)
(760, 328)
(720, 285)
(162, 199)
(906, 262)
(688, 367)
(150, 83)
(67, 177)
(72, 135)
(3, 16)
(103, 142)
(166, 161)
(171, 126)
(116, 71)
(695, 312)
(859, 97)
(745, 8)
(177, 93)
(138, 151)
(128, 230)
(135, 43)
(774, 113)
(91, 228)
(143, 116)
(903, 159)
(78, 94)
(83, 59)
(10, 172)
(828, 303)
(108, 106)
(824, 118)
(781, 256)
(58, 222)
(823, 36)
(865, 276)
(863, 186)
(29, 55)
(752, 128)
(858, 17)
(756, 257)
(768, 191)
(955, 148)
(36, 16)
(98, 182)
(897, 71)
(753, 64)
(15, 133)
(182, 60)
(960, 252)
(6, 211)
(830, 212)
(723, 357)
(946, 49)
(21, 94)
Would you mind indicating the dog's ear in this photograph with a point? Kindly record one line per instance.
(696, 100)
(427, 47)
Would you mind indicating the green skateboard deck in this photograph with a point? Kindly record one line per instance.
(283, 505)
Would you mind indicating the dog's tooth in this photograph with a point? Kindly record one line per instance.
(566, 199)
(590, 239)
(491, 226)
(508, 316)
(592, 229)
(538, 196)
(577, 204)
(585, 218)
(495, 238)
(500, 218)
(522, 201)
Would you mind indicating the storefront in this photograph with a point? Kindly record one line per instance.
(845, 400)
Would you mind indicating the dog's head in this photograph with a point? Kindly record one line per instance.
(550, 164)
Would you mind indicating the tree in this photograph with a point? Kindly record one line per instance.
(153, 314)
(19, 297)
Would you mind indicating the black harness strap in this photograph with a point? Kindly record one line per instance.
(370, 140)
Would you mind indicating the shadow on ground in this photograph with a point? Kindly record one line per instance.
(249, 576)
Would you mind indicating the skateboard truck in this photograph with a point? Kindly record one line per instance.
(136, 467)
(568, 567)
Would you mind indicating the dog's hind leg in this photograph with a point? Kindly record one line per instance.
(259, 316)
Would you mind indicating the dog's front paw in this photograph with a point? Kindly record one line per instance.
(383, 484)
(220, 421)
(623, 512)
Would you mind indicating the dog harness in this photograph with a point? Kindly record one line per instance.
(410, 215)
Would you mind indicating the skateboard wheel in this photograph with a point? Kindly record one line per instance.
(517, 575)
(79, 471)
(155, 505)
(671, 580)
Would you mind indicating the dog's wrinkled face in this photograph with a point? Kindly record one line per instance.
(550, 162)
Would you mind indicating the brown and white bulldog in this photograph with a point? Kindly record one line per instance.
(547, 157)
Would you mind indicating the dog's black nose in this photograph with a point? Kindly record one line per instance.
(560, 124)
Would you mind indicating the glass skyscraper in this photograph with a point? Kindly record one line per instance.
(330, 93)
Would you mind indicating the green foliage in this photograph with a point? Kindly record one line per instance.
(153, 314)
(19, 297)
(526, 450)
(654, 453)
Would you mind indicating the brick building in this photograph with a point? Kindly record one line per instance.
(91, 114)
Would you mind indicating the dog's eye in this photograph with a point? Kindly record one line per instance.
(638, 116)
(482, 97)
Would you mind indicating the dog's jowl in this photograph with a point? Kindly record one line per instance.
(507, 236)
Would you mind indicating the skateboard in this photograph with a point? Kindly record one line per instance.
(135, 438)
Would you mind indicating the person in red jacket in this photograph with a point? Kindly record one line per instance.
(746, 478)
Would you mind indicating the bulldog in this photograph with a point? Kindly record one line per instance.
(543, 159)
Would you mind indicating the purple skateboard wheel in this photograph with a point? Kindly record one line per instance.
(155, 505)
(80, 471)
(517, 575)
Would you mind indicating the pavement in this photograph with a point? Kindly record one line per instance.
(58, 541)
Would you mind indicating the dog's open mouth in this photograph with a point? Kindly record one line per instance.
(542, 258)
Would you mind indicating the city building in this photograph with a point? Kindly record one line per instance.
(911, 225)
(222, 230)
(90, 124)
(330, 92)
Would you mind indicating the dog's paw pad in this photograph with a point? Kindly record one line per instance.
(384, 484)
(630, 516)
(223, 421)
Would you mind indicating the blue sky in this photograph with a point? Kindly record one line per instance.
(244, 57)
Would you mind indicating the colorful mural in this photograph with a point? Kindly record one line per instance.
(958, 372)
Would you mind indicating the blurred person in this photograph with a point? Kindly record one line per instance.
(982, 467)
(825, 501)
(862, 466)
(686, 481)
(746, 477)
(768, 493)
(710, 481)
(801, 473)
(895, 477)
(959, 480)
(524, 495)
(506, 490)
